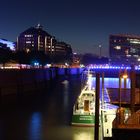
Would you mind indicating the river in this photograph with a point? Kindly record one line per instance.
(45, 115)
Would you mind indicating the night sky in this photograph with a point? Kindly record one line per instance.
(82, 23)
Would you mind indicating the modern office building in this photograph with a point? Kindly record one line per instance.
(62, 48)
(6, 44)
(35, 38)
(124, 48)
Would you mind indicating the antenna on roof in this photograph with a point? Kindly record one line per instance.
(39, 26)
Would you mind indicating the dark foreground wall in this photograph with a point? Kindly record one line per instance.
(29, 80)
(126, 134)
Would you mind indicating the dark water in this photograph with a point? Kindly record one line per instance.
(46, 115)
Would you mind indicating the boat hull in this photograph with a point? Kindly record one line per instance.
(83, 120)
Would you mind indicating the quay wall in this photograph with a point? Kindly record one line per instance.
(20, 81)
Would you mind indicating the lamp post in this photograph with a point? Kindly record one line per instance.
(121, 110)
(102, 106)
(100, 47)
(125, 76)
(133, 84)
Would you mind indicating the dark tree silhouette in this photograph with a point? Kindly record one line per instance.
(5, 55)
(93, 59)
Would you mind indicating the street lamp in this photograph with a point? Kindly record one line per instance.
(123, 76)
(100, 47)
(120, 110)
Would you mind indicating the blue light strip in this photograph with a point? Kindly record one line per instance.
(112, 67)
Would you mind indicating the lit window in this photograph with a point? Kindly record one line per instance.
(126, 51)
(133, 50)
(27, 50)
(28, 35)
(136, 56)
(134, 41)
(117, 47)
(28, 42)
(128, 55)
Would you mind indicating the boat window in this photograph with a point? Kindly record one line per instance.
(107, 131)
(105, 118)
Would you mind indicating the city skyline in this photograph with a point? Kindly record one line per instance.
(83, 24)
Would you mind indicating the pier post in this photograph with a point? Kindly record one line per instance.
(132, 95)
(102, 107)
(97, 97)
(103, 89)
(120, 82)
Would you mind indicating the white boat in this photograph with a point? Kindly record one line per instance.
(84, 108)
(109, 114)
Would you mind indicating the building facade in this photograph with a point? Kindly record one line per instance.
(36, 39)
(124, 49)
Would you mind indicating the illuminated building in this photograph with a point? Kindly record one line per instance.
(124, 48)
(62, 48)
(7, 44)
(35, 38)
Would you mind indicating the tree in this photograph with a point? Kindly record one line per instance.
(39, 56)
(5, 55)
(22, 57)
(93, 59)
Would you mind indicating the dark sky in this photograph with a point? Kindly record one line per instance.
(82, 23)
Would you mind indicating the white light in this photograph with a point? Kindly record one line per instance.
(117, 47)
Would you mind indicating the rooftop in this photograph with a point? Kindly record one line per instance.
(126, 35)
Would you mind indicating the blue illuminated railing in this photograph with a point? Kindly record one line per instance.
(112, 67)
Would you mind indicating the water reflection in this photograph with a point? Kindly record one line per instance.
(66, 92)
(35, 126)
(46, 116)
(83, 133)
(112, 82)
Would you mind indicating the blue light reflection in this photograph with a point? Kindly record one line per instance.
(35, 126)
